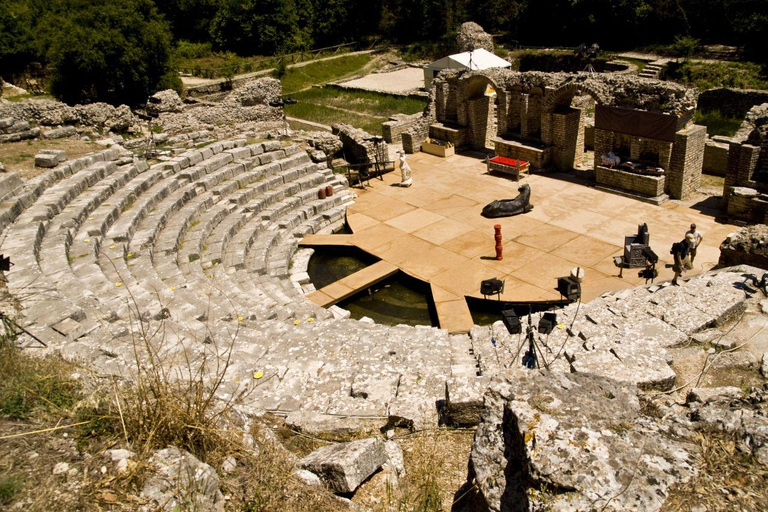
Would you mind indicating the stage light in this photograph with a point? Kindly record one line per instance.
(511, 321)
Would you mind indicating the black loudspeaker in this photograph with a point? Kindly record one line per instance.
(547, 323)
(569, 288)
(511, 321)
(491, 286)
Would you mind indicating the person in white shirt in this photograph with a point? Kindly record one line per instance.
(697, 238)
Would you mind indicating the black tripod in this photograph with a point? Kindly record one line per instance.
(533, 354)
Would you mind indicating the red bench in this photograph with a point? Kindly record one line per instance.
(508, 166)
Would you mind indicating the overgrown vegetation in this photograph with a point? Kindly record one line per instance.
(33, 385)
(361, 109)
(301, 77)
(711, 75)
(717, 123)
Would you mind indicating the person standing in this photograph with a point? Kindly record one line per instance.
(680, 254)
(695, 238)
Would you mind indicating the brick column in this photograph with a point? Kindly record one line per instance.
(502, 112)
(684, 173)
(566, 131)
(478, 118)
(524, 114)
(742, 162)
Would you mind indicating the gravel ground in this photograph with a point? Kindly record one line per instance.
(398, 82)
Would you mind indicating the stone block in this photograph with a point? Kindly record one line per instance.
(344, 466)
(464, 400)
(58, 133)
(46, 161)
(705, 395)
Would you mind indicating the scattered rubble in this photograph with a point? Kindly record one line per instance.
(748, 246)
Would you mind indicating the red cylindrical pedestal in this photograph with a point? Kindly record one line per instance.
(497, 236)
(328, 191)
(321, 193)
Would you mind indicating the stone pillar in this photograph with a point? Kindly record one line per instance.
(603, 144)
(567, 135)
(684, 173)
(478, 119)
(742, 162)
(534, 115)
(440, 102)
(524, 115)
(547, 121)
(513, 125)
(502, 112)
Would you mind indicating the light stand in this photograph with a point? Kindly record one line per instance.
(11, 326)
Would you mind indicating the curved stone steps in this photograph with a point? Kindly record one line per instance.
(35, 187)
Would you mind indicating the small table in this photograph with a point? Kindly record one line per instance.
(506, 165)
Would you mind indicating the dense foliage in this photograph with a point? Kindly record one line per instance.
(120, 48)
(105, 50)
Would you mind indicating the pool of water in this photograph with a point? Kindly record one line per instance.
(329, 264)
(398, 300)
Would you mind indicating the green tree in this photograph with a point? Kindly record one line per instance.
(258, 27)
(17, 47)
(190, 19)
(115, 51)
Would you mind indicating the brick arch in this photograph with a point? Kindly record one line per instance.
(474, 85)
(567, 92)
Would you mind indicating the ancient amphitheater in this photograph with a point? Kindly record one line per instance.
(197, 257)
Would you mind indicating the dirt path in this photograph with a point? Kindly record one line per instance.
(192, 82)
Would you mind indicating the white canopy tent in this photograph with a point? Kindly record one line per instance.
(474, 60)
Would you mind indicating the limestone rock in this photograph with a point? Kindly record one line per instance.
(307, 477)
(165, 101)
(344, 466)
(746, 419)
(764, 365)
(473, 37)
(395, 457)
(260, 91)
(181, 482)
(742, 360)
(314, 423)
(46, 160)
(60, 468)
(59, 133)
(582, 437)
(705, 395)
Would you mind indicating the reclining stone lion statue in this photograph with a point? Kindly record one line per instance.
(509, 207)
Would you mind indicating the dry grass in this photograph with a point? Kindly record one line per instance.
(436, 467)
(19, 157)
(728, 479)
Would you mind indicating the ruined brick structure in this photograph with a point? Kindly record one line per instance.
(540, 118)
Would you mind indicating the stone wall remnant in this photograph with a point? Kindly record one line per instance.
(747, 246)
(165, 101)
(359, 145)
(472, 37)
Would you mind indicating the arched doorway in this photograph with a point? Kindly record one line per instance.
(563, 115)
